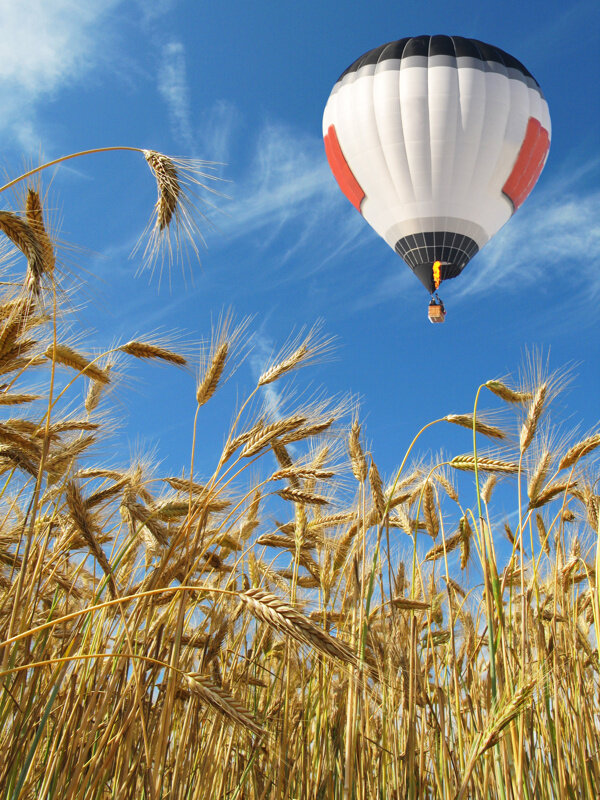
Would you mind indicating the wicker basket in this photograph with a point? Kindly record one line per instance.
(436, 313)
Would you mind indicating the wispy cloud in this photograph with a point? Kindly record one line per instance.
(216, 132)
(288, 196)
(44, 46)
(288, 176)
(155, 9)
(173, 87)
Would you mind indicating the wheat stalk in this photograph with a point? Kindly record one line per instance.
(488, 488)
(11, 457)
(501, 716)
(465, 545)
(542, 534)
(376, 485)
(288, 473)
(287, 365)
(94, 393)
(447, 486)
(300, 351)
(410, 605)
(185, 485)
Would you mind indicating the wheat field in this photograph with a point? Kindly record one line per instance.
(284, 621)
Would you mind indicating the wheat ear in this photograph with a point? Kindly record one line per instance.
(35, 218)
(467, 462)
(221, 701)
(505, 393)
(83, 523)
(466, 421)
(279, 615)
(168, 186)
(357, 458)
(210, 380)
(579, 450)
(533, 416)
(152, 351)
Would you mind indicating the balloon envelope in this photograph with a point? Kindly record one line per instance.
(436, 140)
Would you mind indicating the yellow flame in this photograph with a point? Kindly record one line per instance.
(437, 273)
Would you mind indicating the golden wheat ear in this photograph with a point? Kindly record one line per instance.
(176, 218)
(25, 238)
(35, 217)
(302, 349)
(167, 183)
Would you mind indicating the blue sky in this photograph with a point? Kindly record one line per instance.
(245, 84)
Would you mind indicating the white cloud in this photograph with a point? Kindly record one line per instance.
(173, 87)
(45, 45)
(287, 176)
(153, 9)
(288, 192)
(216, 132)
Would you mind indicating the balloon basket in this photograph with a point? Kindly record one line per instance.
(436, 313)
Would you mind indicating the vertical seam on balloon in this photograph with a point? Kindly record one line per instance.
(434, 219)
(473, 161)
(485, 104)
(410, 171)
(510, 96)
(458, 129)
(377, 128)
(457, 119)
(412, 188)
(485, 109)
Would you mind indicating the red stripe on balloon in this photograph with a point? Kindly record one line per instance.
(341, 171)
(529, 163)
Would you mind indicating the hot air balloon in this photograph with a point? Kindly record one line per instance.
(437, 141)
